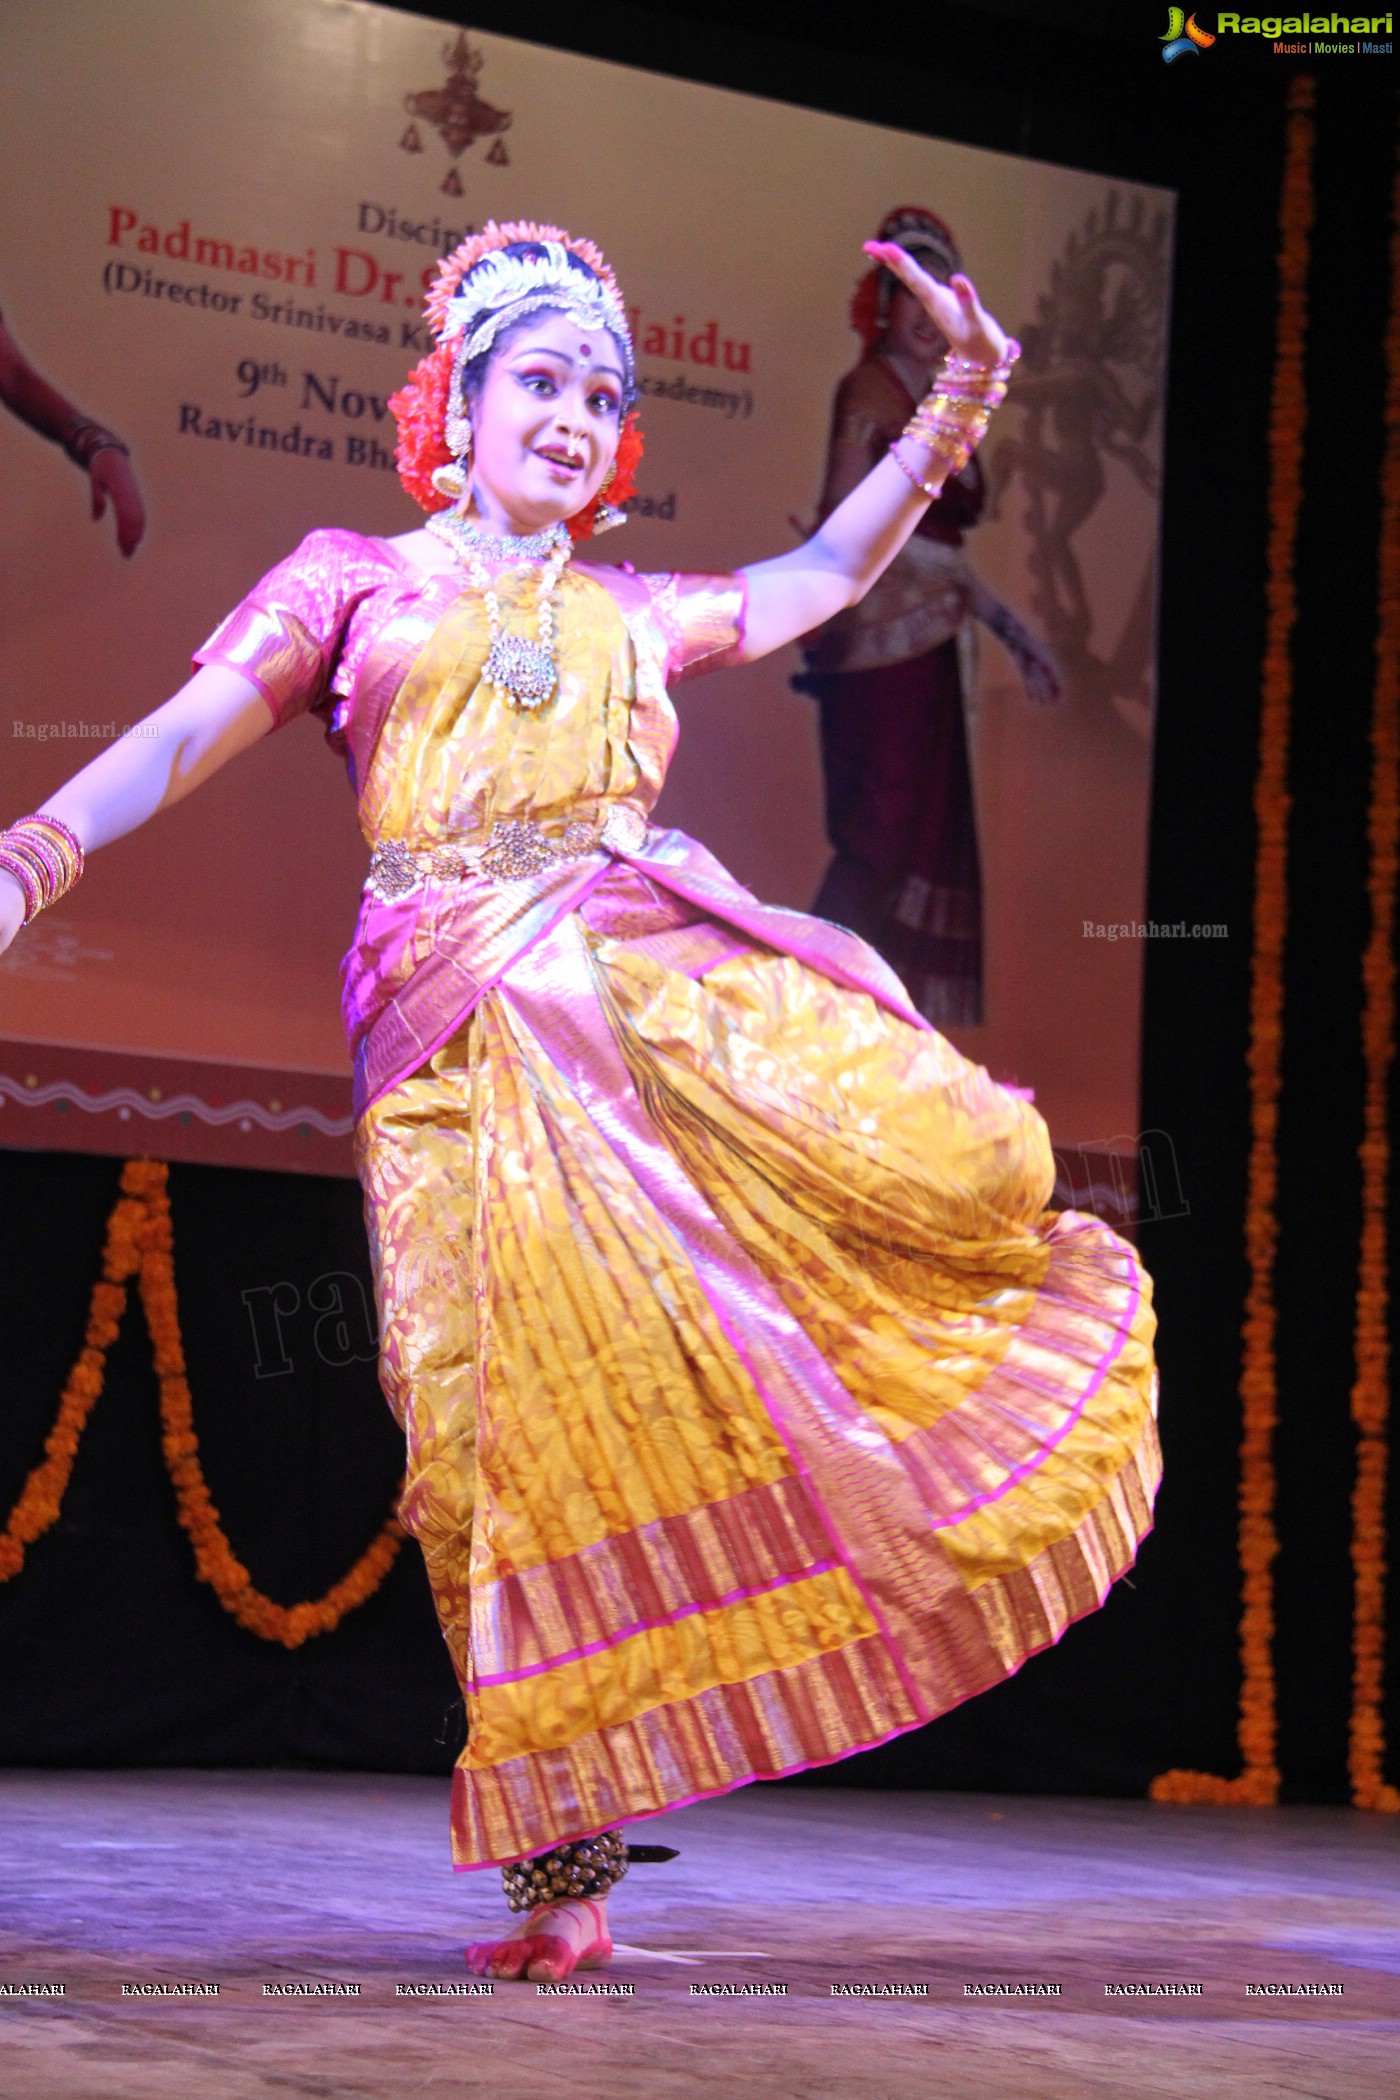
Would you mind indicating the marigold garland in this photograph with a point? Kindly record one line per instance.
(42, 1495)
(140, 1241)
(419, 409)
(1370, 1392)
(1258, 1781)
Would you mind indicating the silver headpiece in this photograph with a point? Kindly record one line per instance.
(501, 290)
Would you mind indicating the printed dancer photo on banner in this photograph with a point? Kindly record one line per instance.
(756, 1407)
(94, 450)
(888, 672)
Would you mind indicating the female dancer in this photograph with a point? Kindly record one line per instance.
(756, 1410)
(886, 671)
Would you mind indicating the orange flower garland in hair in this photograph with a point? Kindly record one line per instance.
(420, 406)
(1258, 1782)
(139, 1239)
(420, 410)
(1370, 1394)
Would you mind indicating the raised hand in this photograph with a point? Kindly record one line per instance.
(954, 307)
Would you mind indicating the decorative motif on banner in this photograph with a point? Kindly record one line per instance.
(457, 113)
(184, 1107)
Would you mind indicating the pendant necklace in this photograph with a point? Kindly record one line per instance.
(526, 672)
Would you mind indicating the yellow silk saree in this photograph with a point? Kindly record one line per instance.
(756, 1407)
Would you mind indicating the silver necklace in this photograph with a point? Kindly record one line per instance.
(459, 533)
(525, 671)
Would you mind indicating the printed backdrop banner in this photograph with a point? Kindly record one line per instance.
(219, 225)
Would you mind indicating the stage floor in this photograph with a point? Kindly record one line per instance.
(247, 1880)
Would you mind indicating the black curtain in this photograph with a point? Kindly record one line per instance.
(111, 1653)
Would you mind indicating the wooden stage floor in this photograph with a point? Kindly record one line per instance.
(113, 1883)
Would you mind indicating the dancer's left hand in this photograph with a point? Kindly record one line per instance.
(954, 307)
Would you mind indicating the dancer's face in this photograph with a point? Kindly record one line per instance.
(911, 333)
(546, 423)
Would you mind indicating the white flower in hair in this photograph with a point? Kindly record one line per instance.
(502, 286)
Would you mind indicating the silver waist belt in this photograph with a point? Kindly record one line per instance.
(515, 847)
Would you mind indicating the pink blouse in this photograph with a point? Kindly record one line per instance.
(332, 630)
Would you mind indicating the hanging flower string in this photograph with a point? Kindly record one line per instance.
(1258, 1781)
(140, 1241)
(1370, 1392)
(41, 1497)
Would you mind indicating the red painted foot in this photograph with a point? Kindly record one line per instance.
(541, 1957)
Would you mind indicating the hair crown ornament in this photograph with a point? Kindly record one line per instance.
(494, 279)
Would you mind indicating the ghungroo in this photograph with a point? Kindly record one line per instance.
(588, 1867)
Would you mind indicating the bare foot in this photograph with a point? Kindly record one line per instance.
(549, 1944)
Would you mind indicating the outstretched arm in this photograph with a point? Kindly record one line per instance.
(793, 593)
(217, 714)
(105, 462)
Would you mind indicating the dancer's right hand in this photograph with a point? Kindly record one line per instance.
(11, 909)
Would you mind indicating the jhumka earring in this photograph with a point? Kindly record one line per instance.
(608, 515)
(452, 480)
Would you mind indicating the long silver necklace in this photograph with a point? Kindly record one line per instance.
(526, 672)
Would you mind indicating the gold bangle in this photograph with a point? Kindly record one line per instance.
(962, 372)
(956, 447)
(952, 432)
(908, 472)
(953, 408)
(954, 413)
(929, 428)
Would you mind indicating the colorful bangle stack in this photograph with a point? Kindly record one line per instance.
(45, 858)
(952, 418)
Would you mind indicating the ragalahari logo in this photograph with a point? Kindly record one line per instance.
(1183, 36)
